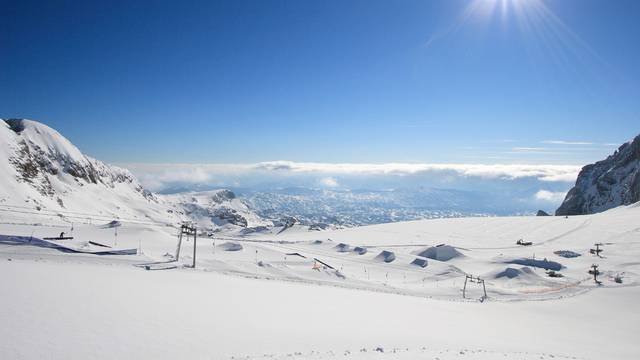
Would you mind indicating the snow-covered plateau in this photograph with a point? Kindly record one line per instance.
(110, 279)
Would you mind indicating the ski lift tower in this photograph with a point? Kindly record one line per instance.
(472, 279)
(597, 250)
(595, 272)
(187, 229)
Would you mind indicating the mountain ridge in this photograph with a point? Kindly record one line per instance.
(41, 170)
(606, 184)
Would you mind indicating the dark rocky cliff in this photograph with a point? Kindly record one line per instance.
(606, 184)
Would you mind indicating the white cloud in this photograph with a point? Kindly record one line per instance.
(156, 176)
(497, 171)
(528, 149)
(550, 196)
(588, 143)
(564, 142)
(329, 182)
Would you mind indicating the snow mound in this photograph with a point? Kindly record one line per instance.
(230, 246)
(441, 252)
(420, 262)
(567, 253)
(342, 247)
(360, 250)
(111, 224)
(521, 279)
(386, 256)
(513, 272)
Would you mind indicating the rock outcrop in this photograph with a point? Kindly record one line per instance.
(606, 184)
(214, 208)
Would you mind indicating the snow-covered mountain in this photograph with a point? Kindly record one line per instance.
(42, 171)
(215, 209)
(42, 174)
(606, 184)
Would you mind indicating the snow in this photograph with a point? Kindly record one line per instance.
(43, 174)
(208, 208)
(230, 246)
(54, 193)
(386, 256)
(441, 252)
(49, 139)
(259, 301)
(289, 293)
(53, 310)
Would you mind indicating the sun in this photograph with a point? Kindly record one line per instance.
(533, 19)
(503, 8)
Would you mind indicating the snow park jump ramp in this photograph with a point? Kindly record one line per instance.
(83, 248)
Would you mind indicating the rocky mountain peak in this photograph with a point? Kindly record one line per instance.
(606, 184)
(17, 125)
(36, 156)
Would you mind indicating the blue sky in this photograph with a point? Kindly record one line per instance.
(327, 81)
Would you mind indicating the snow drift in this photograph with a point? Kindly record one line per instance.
(440, 252)
(512, 273)
(230, 246)
(386, 256)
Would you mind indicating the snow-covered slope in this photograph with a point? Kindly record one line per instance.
(216, 208)
(299, 295)
(606, 184)
(44, 173)
(44, 176)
